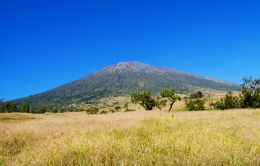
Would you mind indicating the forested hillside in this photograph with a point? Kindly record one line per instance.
(123, 79)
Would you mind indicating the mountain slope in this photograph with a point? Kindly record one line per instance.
(125, 78)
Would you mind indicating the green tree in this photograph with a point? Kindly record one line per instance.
(8, 106)
(196, 95)
(231, 101)
(55, 110)
(250, 96)
(169, 94)
(144, 99)
(227, 102)
(61, 110)
(42, 109)
(219, 105)
(195, 104)
(159, 103)
(24, 107)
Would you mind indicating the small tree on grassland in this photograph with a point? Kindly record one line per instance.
(42, 109)
(195, 104)
(195, 101)
(250, 95)
(159, 103)
(24, 107)
(169, 94)
(144, 99)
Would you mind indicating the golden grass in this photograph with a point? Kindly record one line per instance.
(134, 138)
(15, 117)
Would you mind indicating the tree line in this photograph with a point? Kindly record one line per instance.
(249, 97)
(11, 106)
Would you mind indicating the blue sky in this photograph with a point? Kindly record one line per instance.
(45, 44)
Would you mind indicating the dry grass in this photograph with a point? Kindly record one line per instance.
(133, 138)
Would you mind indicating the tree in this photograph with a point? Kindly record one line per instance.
(24, 107)
(219, 105)
(169, 94)
(250, 95)
(231, 101)
(144, 99)
(42, 109)
(55, 110)
(159, 103)
(8, 106)
(199, 94)
(248, 98)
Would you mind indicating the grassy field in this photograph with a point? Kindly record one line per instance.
(131, 138)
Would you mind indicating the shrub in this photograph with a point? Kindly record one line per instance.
(129, 110)
(196, 95)
(195, 104)
(117, 108)
(126, 105)
(42, 109)
(103, 112)
(92, 110)
(112, 110)
(61, 110)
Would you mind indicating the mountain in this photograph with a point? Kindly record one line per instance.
(125, 78)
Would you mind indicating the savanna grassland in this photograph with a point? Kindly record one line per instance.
(131, 138)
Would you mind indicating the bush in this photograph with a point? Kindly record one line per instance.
(196, 95)
(126, 105)
(195, 104)
(55, 110)
(117, 108)
(42, 109)
(227, 102)
(61, 110)
(92, 110)
(129, 110)
(219, 105)
(103, 112)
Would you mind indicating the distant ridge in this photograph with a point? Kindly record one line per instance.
(122, 79)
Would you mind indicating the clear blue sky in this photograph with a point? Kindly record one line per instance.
(45, 44)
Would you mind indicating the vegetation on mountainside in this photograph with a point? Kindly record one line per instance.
(104, 83)
(248, 98)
